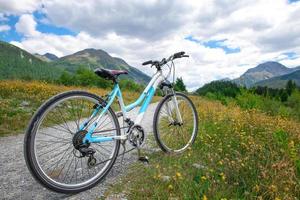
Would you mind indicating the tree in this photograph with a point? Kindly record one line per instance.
(220, 88)
(290, 87)
(284, 96)
(179, 85)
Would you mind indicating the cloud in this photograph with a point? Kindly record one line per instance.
(27, 26)
(19, 6)
(4, 28)
(141, 30)
(149, 20)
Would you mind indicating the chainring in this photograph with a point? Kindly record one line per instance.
(136, 137)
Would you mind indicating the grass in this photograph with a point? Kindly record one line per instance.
(271, 106)
(19, 100)
(238, 154)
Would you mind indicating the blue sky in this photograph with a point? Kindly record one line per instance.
(223, 39)
(215, 44)
(293, 1)
(43, 26)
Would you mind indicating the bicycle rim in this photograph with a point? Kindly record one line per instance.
(170, 134)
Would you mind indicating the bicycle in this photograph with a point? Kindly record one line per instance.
(73, 139)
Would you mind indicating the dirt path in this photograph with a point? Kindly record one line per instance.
(17, 183)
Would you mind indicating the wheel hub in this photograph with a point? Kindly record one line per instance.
(175, 123)
(78, 139)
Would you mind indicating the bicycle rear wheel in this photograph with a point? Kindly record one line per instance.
(171, 135)
(51, 138)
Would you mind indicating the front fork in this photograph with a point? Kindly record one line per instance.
(167, 89)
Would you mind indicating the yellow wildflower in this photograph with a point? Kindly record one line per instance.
(178, 174)
(273, 188)
(223, 177)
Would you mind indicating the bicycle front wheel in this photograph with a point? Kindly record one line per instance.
(175, 123)
(52, 137)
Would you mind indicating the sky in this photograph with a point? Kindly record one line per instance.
(224, 38)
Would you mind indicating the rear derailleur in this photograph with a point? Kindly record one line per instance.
(82, 150)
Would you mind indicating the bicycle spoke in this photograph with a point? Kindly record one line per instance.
(68, 169)
(76, 161)
(63, 166)
(53, 141)
(103, 148)
(73, 114)
(56, 164)
(52, 150)
(51, 135)
(53, 158)
(104, 125)
(81, 168)
(59, 124)
(62, 117)
(66, 131)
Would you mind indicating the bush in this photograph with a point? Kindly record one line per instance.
(248, 100)
(130, 85)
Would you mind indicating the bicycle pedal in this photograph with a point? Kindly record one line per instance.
(144, 159)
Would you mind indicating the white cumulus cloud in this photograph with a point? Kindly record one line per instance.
(27, 26)
(4, 28)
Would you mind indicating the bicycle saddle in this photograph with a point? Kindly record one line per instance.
(108, 73)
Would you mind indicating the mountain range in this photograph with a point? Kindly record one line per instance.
(280, 81)
(271, 74)
(16, 63)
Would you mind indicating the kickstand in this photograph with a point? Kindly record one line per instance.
(124, 150)
(143, 159)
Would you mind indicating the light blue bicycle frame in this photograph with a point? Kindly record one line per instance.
(144, 99)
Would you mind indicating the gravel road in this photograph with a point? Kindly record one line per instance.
(17, 183)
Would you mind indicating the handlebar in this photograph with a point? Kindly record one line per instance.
(147, 62)
(164, 61)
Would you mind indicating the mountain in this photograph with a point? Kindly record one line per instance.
(262, 72)
(48, 57)
(280, 81)
(16, 63)
(93, 58)
(51, 56)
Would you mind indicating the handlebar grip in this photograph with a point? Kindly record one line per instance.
(147, 62)
(179, 54)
